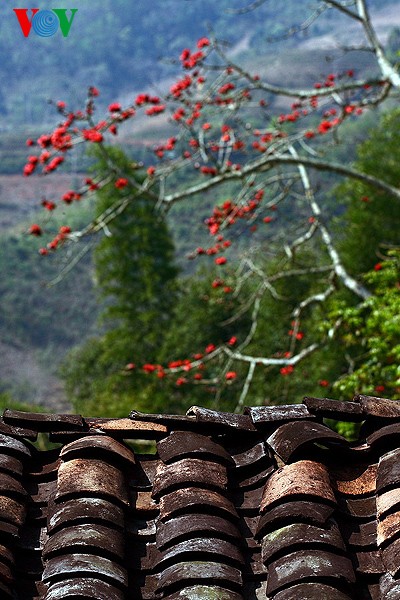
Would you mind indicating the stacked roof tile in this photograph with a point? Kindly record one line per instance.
(268, 504)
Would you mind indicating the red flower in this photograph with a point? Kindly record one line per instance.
(217, 283)
(379, 388)
(48, 205)
(121, 183)
(70, 196)
(208, 170)
(181, 381)
(221, 260)
(324, 127)
(114, 107)
(324, 383)
(54, 163)
(92, 135)
(287, 370)
(43, 251)
(148, 368)
(35, 229)
(151, 171)
(378, 267)
(202, 42)
(44, 141)
(44, 157)
(210, 348)
(267, 219)
(64, 229)
(232, 341)
(29, 169)
(155, 110)
(92, 185)
(230, 375)
(93, 91)
(53, 244)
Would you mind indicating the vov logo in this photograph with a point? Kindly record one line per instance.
(45, 23)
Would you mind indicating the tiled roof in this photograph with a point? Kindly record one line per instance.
(268, 504)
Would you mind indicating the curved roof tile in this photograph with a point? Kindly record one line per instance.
(271, 503)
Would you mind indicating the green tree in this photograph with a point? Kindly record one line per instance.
(371, 219)
(371, 332)
(136, 277)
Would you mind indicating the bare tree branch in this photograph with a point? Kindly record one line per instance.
(340, 271)
(245, 388)
(388, 71)
(271, 362)
(342, 8)
(267, 162)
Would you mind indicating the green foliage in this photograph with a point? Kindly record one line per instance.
(135, 274)
(7, 401)
(371, 333)
(134, 266)
(371, 220)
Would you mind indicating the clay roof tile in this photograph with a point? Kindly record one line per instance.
(269, 503)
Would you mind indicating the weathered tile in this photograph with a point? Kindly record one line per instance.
(263, 415)
(334, 409)
(215, 573)
(305, 477)
(180, 445)
(187, 526)
(302, 564)
(187, 472)
(288, 438)
(90, 476)
(84, 588)
(300, 534)
(311, 591)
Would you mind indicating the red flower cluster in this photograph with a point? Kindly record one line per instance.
(180, 86)
(114, 107)
(191, 60)
(35, 230)
(70, 196)
(53, 164)
(92, 135)
(168, 146)
(287, 370)
(299, 335)
(230, 375)
(155, 110)
(48, 205)
(92, 185)
(121, 183)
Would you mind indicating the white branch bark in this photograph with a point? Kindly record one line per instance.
(351, 284)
